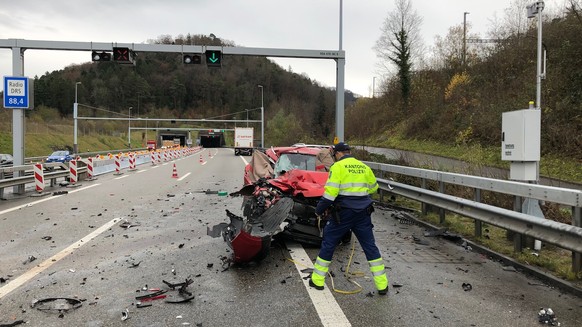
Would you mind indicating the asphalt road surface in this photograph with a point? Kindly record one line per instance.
(108, 241)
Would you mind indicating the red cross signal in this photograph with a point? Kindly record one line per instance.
(121, 54)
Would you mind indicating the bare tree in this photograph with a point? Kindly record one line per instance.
(575, 7)
(400, 43)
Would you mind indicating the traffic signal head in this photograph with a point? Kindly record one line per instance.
(213, 58)
(123, 55)
(192, 59)
(100, 56)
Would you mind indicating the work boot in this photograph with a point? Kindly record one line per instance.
(383, 292)
(311, 284)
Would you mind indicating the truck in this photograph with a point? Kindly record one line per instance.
(243, 141)
(151, 145)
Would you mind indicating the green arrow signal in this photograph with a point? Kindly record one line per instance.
(213, 58)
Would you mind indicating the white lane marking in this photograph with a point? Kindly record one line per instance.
(325, 304)
(203, 163)
(154, 167)
(181, 178)
(44, 200)
(20, 280)
(244, 160)
(141, 171)
(121, 177)
(165, 163)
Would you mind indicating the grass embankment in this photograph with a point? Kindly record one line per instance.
(551, 259)
(43, 139)
(551, 166)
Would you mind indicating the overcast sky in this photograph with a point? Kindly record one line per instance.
(296, 24)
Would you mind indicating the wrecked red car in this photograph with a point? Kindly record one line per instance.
(281, 189)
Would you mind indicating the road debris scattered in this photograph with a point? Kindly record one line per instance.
(60, 305)
(126, 224)
(509, 268)
(548, 317)
(14, 323)
(30, 258)
(60, 193)
(124, 315)
(134, 265)
(467, 287)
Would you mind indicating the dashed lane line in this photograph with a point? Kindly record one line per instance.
(325, 304)
(120, 177)
(44, 200)
(181, 178)
(20, 280)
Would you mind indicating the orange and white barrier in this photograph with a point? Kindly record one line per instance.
(90, 173)
(153, 158)
(73, 171)
(38, 177)
(117, 165)
(132, 162)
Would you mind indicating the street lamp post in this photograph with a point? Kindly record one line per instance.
(75, 145)
(465, 37)
(129, 128)
(262, 118)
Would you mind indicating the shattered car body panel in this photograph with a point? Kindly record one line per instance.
(282, 188)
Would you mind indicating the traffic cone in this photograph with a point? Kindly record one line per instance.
(174, 172)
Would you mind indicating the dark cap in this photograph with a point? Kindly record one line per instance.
(341, 146)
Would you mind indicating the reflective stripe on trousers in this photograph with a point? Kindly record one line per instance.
(379, 273)
(320, 269)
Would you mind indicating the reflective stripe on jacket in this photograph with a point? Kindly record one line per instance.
(350, 183)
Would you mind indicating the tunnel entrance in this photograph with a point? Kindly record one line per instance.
(211, 138)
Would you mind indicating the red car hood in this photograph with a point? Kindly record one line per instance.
(301, 182)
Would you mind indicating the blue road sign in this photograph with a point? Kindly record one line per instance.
(16, 92)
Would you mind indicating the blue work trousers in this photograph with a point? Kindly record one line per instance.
(361, 225)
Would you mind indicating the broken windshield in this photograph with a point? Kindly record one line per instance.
(288, 161)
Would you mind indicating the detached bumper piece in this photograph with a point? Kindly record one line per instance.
(183, 294)
(59, 305)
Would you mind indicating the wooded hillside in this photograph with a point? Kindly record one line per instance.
(448, 100)
(462, 104)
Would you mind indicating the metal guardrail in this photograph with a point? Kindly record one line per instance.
(562, 235)
(101, 166)
(28, 177)
(51, 173)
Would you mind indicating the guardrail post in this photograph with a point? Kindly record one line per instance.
(576, 257)
(381, 190)
(517, 238)
(478, 223)
(1, 188)
(441, 210)
(423, 206)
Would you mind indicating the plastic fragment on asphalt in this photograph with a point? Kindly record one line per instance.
(58, 305)
(548, 317)
(30, 258)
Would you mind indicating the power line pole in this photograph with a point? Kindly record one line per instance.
(465, 37)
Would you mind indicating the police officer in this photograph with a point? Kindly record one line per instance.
(348, 189)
